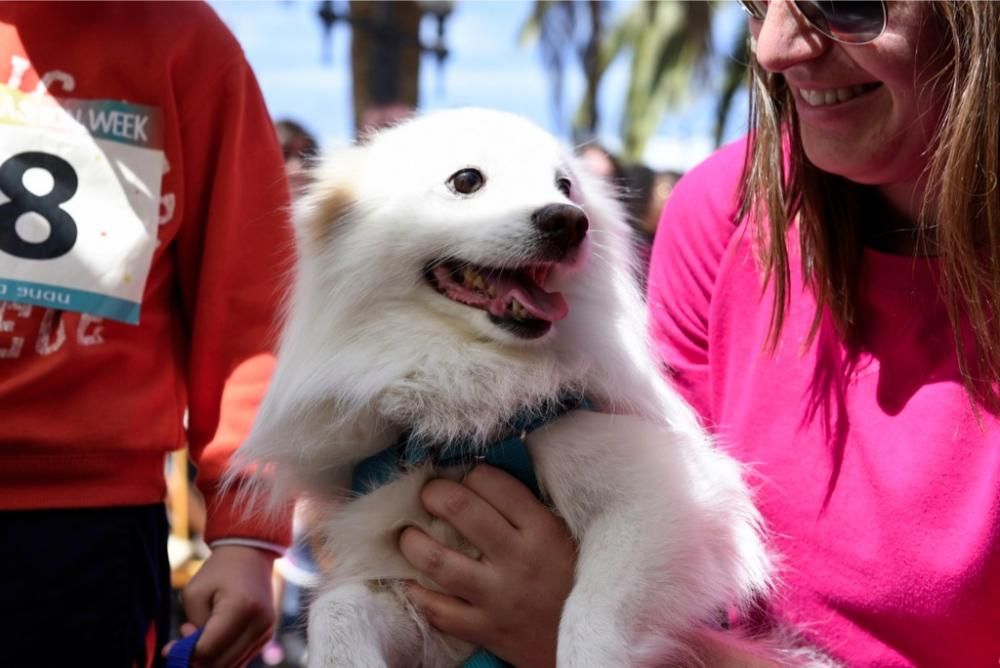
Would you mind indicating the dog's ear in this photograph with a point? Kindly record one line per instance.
(331, 197)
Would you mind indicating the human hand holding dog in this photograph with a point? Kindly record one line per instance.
(231, 599)
(510, 599)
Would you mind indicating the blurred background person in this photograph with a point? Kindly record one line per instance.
(299, 149)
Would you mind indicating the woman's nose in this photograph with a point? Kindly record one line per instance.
(784, 38)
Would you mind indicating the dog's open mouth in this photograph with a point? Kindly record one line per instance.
(513, 298)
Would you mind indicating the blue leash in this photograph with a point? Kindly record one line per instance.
(180, 653)
(509, 454)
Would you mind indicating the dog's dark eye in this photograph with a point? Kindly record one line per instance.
(565, 185)
(466, 181)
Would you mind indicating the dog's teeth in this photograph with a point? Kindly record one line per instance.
(517, 310)
(472, 279)
(469, 276)
(491, 290)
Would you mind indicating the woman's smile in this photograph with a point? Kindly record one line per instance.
(826, 97)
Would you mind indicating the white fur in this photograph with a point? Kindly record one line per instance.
(667, 532)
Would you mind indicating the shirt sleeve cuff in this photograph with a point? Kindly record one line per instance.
(278, 550)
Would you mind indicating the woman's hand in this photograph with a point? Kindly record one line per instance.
(510, 599)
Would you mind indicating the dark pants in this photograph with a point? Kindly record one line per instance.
(83, 587)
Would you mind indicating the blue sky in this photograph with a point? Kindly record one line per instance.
(486, 67)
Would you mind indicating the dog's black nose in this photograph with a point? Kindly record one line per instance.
(562, 227)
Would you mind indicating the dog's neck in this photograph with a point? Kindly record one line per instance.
(444, 399)
(508, 451)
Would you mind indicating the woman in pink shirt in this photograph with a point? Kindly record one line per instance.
(861, 384)
(826, 293)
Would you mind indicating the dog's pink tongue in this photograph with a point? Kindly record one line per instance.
(537, 302)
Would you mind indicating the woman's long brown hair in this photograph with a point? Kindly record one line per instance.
(960, 223)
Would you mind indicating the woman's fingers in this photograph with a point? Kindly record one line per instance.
(510, 601)
(450, 615)
(508, 496)
(452, 571)
(478, 520)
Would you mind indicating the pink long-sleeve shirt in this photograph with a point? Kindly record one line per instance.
(878, 480)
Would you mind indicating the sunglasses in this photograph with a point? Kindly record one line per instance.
(846, 21)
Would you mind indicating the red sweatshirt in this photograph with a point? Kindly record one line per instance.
(878, 481)
(138, 133)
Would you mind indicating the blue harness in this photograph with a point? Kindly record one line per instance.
(510, 454)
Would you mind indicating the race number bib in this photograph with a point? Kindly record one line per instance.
(79, 202)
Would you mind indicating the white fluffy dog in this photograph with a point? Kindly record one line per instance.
(455, 271)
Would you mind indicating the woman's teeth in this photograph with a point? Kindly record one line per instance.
(822, 98)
